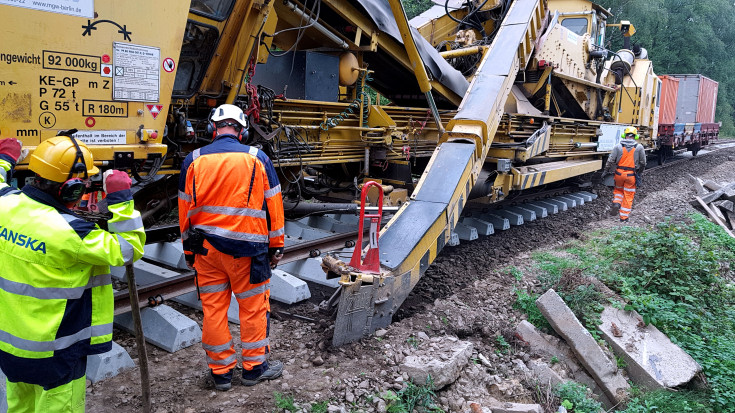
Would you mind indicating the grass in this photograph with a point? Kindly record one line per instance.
(412, 398)
(504, 347)
(678, 276)
(565, 275)
(319, 407)
(285, 402)
(575, 397)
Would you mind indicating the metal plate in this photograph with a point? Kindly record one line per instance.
(407, 231)
(445, 173)
(481, 102)
(503, 54)
(520, 13)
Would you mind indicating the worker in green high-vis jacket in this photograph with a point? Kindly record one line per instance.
(56, 300)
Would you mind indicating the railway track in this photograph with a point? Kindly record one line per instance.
(165, 275)
(155, 293)
(312, 237)
(683, 156)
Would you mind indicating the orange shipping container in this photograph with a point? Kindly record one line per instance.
(697, 99)
(667, 104)
(707, 100)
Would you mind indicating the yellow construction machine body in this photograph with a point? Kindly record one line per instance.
(477, 102)
(105, 68)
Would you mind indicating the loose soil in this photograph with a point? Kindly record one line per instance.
(465, 294)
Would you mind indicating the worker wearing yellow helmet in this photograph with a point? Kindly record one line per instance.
(55, 278)
(627, 161)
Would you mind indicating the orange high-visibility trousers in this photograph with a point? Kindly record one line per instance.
(219, 275)
(624, 192)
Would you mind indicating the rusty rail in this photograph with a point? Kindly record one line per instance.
(155, 293)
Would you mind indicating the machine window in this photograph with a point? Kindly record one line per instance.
(199, 44)
(216, 9)
(577, 25)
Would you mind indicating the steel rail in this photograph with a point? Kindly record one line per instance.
(155, 293)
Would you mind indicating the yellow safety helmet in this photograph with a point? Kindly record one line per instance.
(61, 158)
(630, 130)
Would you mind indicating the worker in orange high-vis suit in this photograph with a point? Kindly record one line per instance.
(231, 218)
(627, 161)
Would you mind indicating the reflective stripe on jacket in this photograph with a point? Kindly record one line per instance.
(55, 284)
(231, 193)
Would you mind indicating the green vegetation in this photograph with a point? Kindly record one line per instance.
(413, 398)
(285, 402)
(674, 280)
(575, 399)
(675, 275)
(413, 341)
(319, 407)
(526, 303)
(503, 344)
(666, 401)
(565, 275)
(415, 7)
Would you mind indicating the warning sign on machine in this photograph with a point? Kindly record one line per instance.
(137, 74)
(102, 137)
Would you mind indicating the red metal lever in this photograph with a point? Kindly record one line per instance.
(371, 263)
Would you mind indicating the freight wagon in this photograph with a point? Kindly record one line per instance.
(687, 106)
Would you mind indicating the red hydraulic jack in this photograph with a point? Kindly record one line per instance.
(371, 263)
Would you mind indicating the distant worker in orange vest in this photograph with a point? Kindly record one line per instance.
(232, 227)
(627, 161)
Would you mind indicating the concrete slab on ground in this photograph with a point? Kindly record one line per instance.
(562, 205)
(465, 232)
(110, 364)
(550, 208)
(310, 270)
(498, 222)
(541, 212)
(653, 361)
(483, 227)
(554, 347)
(443, 365)
(163, 327)
(513, 217)
(505, 407)
(585, 347)
(288, 289)
(528, 214)
(169, 253)
(192, 301)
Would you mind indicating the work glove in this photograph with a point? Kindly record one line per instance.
(11, 150)
(114, 181)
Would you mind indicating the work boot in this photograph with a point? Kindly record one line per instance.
(615, 210)
(274, 371)
(221, 382)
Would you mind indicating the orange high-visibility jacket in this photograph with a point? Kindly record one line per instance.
(231, 193)
(625, 146)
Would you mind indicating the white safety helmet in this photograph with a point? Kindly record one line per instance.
(228, 111)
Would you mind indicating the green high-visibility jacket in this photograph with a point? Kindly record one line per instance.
(56, 301)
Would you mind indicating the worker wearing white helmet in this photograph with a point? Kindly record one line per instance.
(232, 227)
